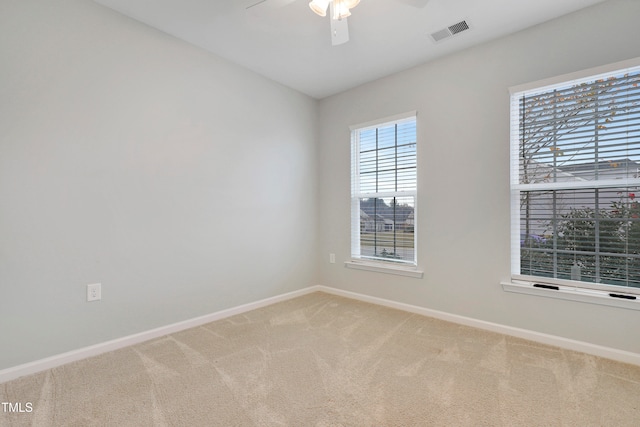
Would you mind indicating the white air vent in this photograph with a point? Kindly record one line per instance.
(450, 31)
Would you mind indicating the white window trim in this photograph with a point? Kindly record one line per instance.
(594, 72)
(559, 289)
(378, 267)
(375, 123)
(573, 293)
(401, 269)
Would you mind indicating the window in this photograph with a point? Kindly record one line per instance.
(575, 183)
(383, 191)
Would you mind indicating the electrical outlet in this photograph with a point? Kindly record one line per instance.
(332, 258)
(94, 292)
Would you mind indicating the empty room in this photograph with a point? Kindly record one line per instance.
(319, 213)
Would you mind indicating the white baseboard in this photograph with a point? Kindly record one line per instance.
(94, 350)
(569, 344)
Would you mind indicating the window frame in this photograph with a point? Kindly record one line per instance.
(357, 261)
(604, 294)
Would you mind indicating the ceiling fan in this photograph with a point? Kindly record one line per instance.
(339, 10)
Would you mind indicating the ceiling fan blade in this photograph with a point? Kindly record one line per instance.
(271, 4)
(339, 28)
(416, 3)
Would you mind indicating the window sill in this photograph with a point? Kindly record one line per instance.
(387, 269)
(572, 294)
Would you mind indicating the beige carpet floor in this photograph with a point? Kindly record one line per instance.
(323, 360)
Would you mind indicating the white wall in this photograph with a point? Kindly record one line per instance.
(463, 149)
(183, 183)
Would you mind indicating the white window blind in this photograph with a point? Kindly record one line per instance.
(575, 182)
(383, 192)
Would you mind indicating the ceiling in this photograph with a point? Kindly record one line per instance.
(292, 45)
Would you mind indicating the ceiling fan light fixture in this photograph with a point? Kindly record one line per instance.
(319, 6)
(341, 9)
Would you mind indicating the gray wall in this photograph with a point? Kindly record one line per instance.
(184, 184)
(463, 154)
